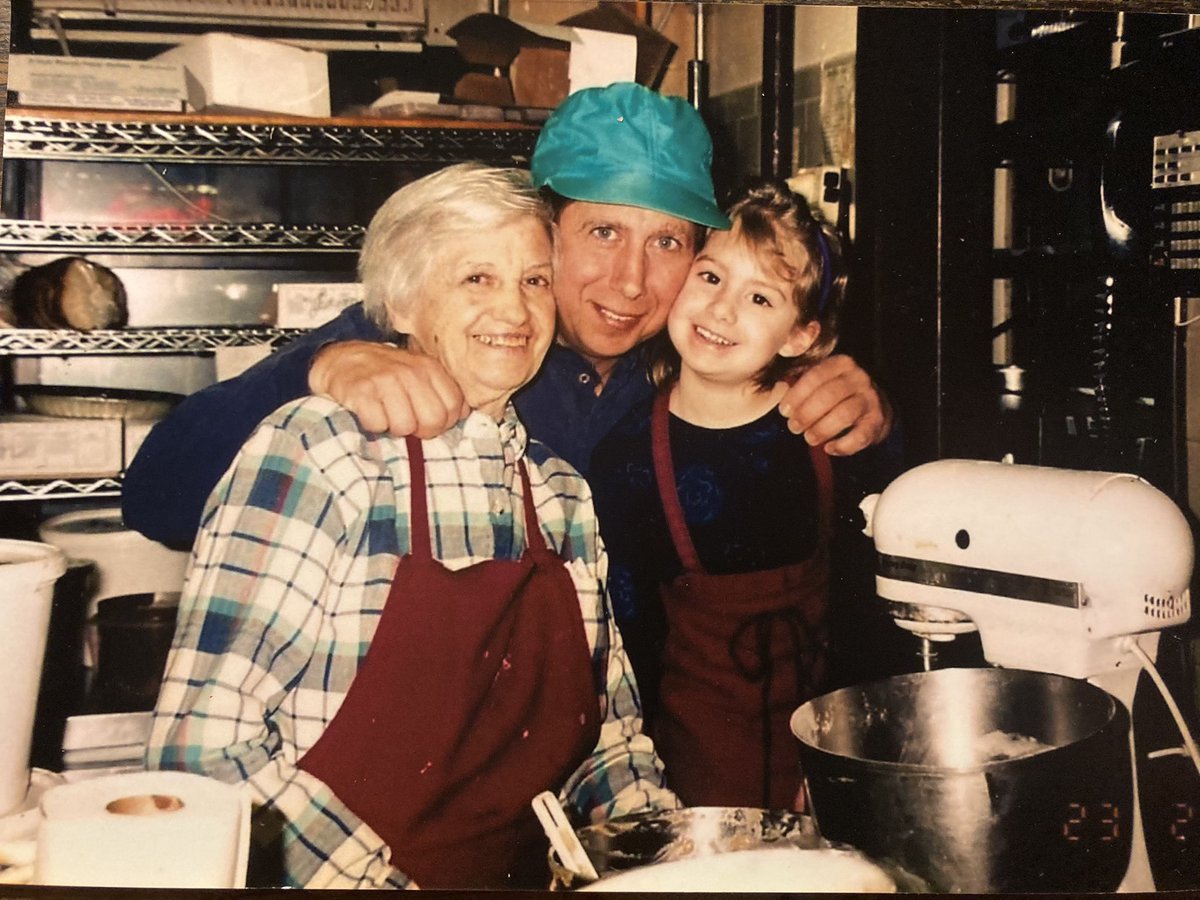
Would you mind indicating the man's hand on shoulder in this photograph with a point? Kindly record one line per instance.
(836, 403)
(388, 388)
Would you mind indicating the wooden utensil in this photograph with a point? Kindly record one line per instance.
(562, 836)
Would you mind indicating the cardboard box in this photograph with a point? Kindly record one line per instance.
(89, 83)
(105, 743)
(232, 73)
(540, 64)
(34, 446)
(654, 52)
(135, 432)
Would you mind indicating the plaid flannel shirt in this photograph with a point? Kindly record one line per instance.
(288, 578)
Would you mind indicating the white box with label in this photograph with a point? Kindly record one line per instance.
(34, 446)
(135, 432)
(94, 83)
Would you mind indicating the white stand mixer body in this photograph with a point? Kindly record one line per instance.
(1054, 567)
(1059, 570)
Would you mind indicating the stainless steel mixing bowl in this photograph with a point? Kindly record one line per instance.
(982, 780)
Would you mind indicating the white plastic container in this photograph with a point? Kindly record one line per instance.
(28, 571)
(126, 562)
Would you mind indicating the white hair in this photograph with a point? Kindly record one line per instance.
(465, 201)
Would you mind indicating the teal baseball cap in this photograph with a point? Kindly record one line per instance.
(629, 145)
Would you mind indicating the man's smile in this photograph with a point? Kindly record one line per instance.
(617, 320)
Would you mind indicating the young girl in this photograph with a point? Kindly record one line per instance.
(719, 564)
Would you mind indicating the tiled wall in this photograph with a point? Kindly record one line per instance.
(823, 118)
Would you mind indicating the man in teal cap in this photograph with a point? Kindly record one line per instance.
(628, 173)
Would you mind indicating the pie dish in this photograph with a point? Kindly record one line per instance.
(96, 403)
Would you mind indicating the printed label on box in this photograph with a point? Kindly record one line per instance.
(33, 446)
(310, 305)
(97, 83)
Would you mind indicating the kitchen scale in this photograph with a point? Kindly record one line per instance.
(1064, 572)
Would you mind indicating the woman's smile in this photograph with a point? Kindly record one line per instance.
(503, 340)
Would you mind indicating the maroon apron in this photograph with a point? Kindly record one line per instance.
(742, 652)
(476, 694)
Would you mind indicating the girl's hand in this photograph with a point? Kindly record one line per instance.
(836, 403)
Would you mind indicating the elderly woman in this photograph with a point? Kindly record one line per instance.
(399, 643)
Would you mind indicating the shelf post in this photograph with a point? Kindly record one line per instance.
(778, 100)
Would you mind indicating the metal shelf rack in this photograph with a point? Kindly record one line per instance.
(168, 137)
(108, 136)
(27, 235)
(60, 489)
(138, 341)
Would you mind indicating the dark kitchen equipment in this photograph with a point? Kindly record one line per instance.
(981, 780)
(64, 678)
(135, 636)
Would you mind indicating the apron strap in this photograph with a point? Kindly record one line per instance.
(420, 542)
(823, 469)
(534, 539)
(664, 472)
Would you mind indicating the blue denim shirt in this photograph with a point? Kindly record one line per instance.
(561, 409)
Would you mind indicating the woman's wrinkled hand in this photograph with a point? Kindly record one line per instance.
(388, 388)
(836, 403)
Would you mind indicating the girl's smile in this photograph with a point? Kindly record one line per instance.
(712, 337)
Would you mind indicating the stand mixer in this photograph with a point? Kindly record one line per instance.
(1064, 572)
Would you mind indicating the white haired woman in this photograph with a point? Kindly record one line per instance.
(398, 643)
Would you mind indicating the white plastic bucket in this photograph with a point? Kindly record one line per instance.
(126, 562)
(28, 571)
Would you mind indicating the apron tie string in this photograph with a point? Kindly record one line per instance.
(760, 667)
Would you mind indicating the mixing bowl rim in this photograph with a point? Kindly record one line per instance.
(1115, 718)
